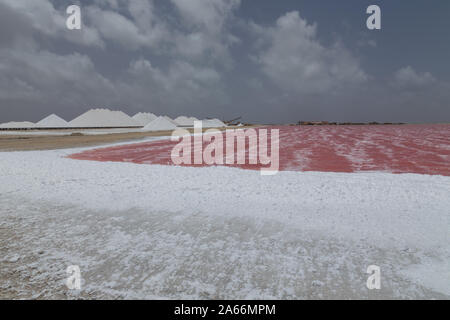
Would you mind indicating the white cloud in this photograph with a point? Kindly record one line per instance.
(33, 75)
(292, 57)
(192, 45)
(104, 20)
(408, 77)
(113, 4)
(210, 15)
(44, 19)
(116, 28)
(206, 35)
(181, 77)
(143, 14)
(36, 73)
(189, 44)
(201, 32)
(181, 86)
(141, 29)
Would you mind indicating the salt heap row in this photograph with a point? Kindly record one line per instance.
(17, 125)
(165, 123)
(105, 118)
(52, 121)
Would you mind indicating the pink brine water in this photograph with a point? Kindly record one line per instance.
(423, 149)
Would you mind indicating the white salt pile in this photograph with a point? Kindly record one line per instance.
(52, 121)
(97, 118)
(185, 121)
(17, 125)
(160, 124)
(144, 118)
(213, 123)
(170, 120)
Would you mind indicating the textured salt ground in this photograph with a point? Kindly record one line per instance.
(138, 254)
(177, 232)
(423, 149)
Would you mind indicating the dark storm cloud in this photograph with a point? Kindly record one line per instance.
(12, 25)
(271, 61)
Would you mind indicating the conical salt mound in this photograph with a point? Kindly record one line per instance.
(103, 118)
(184, 121)
(170, 120)
(144, 118)
(52, 121)
(159, 124)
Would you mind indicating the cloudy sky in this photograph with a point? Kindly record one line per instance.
(271, 61)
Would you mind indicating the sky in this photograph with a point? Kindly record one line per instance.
(269, 61)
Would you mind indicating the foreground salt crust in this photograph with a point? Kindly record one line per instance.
(148, 231)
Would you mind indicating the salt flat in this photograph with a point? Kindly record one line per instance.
(153, 231)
